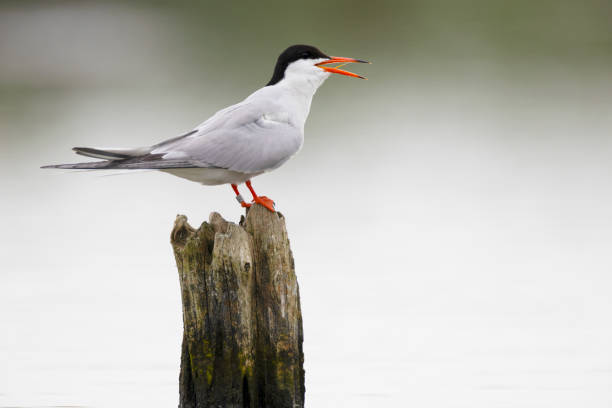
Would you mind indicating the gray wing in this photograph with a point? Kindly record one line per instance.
(246, 138)
(144, 162)
(251, 137)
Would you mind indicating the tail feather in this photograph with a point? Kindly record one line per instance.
(106, 164)
(112, 157)
(150, 162)
(111, 153)
(129, 159)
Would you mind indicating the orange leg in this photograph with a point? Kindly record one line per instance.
(263, 200)
(239, 197)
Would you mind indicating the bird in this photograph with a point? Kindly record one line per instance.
(242, 141)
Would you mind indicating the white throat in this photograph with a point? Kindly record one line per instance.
(304, 76)
(301, 81)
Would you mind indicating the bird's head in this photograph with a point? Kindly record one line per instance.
(307, 64)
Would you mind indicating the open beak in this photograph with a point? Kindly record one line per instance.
(342, 61)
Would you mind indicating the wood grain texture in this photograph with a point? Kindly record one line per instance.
(242, 340)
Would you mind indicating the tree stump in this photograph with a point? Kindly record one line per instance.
(242, 339)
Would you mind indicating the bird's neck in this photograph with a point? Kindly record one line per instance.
(305, 84)
(299, 92)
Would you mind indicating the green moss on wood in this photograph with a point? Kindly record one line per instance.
(231, 276)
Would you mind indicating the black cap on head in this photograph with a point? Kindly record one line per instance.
(294, 53)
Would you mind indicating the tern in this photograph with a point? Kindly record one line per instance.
(242, 141)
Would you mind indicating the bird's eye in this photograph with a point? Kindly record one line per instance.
(305, 55)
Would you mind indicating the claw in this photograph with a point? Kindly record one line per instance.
(266, 202)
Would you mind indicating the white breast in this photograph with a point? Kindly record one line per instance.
(211, 176)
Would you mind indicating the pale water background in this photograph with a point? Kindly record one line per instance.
(451, 218)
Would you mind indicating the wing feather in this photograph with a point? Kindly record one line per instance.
(130, 164)
(251, 137)
(240, 138)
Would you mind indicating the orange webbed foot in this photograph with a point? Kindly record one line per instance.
(266, 202)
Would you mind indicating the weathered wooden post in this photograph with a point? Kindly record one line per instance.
(242, 340)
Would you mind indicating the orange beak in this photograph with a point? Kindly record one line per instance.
(342, 61)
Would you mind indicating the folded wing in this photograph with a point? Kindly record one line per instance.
(247, 138)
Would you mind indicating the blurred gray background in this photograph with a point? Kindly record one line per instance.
(450, 217)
